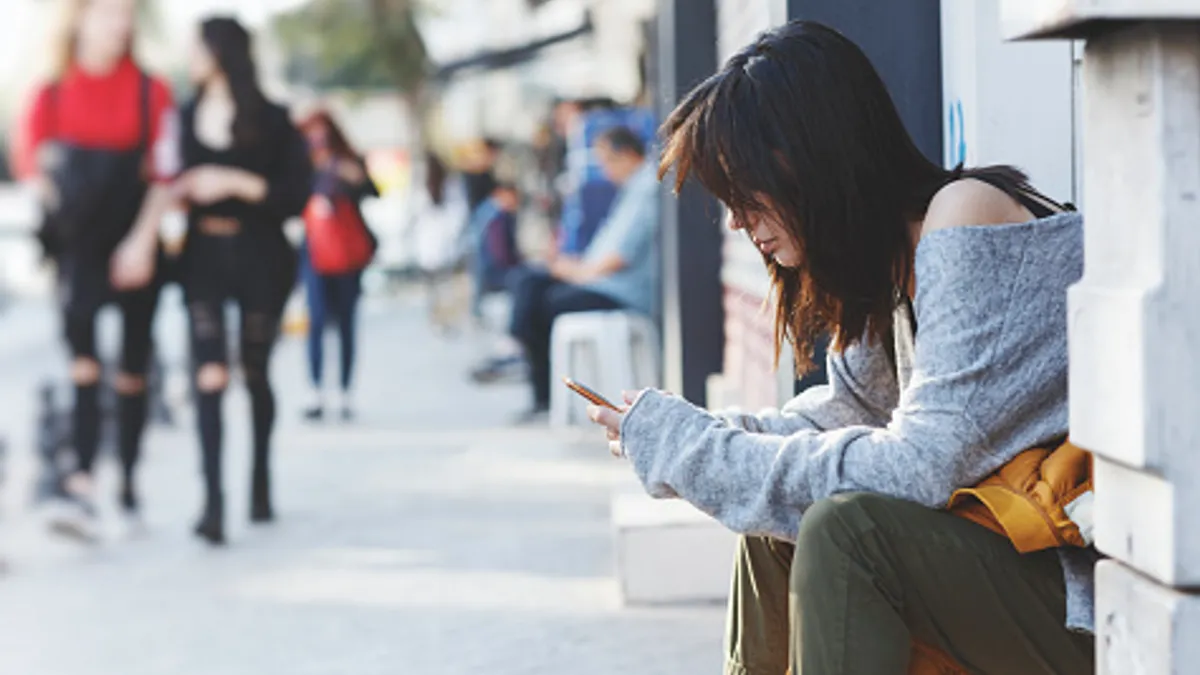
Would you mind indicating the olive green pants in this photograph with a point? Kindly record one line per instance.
(868, 574)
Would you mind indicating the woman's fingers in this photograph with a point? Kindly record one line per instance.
(605, 417)
(611, 421)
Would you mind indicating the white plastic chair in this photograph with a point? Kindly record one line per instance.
(608, 351)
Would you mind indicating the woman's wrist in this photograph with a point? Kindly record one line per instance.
(632, 416)
(250, 187)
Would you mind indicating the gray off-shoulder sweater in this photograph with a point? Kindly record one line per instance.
(983, 379)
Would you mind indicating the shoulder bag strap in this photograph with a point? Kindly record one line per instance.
(144, 106)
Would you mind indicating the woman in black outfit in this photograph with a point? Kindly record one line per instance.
(246, 171)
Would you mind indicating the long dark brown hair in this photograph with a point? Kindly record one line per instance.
(336, 142)
(799, 127)
(435, 178)
(232, 47)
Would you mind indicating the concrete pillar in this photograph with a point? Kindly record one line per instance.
(1135, 317)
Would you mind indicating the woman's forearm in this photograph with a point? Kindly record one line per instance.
(249, 187)
(159, 200)
(761, 484)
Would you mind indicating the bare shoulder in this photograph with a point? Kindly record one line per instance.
(971, 202)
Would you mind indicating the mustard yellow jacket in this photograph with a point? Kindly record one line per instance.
(1030, 500)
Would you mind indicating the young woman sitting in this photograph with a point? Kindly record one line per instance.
(945, 294)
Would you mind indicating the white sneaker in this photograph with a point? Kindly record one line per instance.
(74, 517)
(315, 410)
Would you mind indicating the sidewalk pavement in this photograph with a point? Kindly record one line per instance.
(427, 537)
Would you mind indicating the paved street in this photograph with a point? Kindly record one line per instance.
(426, 538)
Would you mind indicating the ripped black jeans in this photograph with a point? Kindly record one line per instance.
(219, 270)
(83, 290)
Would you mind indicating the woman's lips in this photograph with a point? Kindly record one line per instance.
(767, 247)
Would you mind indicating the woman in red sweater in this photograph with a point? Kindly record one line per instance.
(98, 142)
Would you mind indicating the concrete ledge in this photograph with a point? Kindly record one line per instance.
(1144, 627)
(1063, 19)
(668, 552)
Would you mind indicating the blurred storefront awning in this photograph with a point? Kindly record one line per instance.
(513, 56)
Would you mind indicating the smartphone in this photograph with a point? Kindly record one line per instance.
(589, 394)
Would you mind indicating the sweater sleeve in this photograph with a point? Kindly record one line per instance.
(761, 484)
(862, 390)
(989, 380)
(290, 178)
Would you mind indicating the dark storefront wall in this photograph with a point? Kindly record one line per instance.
(903, 39)
(693, 319)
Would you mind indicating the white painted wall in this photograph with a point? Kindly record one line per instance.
(738, 23)
(1008, 103)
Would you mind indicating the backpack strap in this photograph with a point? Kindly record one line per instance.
(144, 106)
(52, 98)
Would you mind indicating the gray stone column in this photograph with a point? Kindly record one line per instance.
(1135, 317)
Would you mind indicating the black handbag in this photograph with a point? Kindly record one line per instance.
(99, 192)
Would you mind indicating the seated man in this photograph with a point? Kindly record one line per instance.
(592, 194)
(618, 270)
(494, 249)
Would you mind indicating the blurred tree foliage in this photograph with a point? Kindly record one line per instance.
(355, 44)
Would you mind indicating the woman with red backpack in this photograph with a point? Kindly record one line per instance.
(338, 246)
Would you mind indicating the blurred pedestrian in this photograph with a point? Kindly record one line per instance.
(494, 249)
(480, 174)
(247, 170)
(440, 217)
(337, 248)
(98, 143)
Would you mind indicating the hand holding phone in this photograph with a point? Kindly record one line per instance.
(609, 418)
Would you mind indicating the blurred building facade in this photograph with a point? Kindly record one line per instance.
(605, 60)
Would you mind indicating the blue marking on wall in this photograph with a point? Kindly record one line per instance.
(956, 145)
